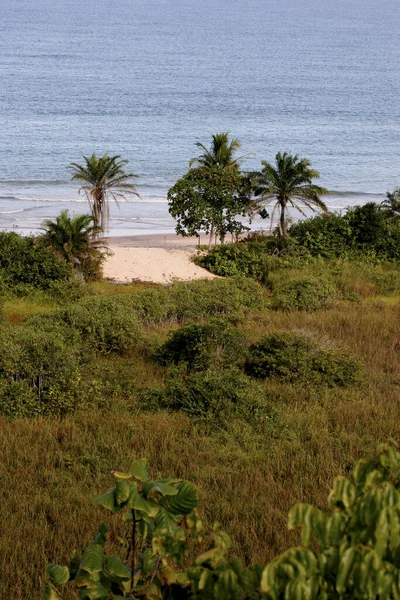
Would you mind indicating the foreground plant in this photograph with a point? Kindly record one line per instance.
(151, 509)
(352, 551)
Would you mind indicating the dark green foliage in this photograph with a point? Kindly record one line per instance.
(363, 230)
(292, 357)
(22, 261)
(39, 373)
(306, 293)
(241, 258)
(75, 240)
(199, 346)
(209, 200)
(214, 396)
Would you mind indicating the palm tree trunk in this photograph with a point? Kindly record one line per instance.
(282, 222)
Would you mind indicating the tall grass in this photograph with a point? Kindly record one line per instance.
(248, 477)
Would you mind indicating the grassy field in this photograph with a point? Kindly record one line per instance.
(248, 476)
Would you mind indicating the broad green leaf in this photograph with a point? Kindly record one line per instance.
(344, 570)
(117, 569)
(137, 502)
(108, 501)
(121, 475)
(140, 469)
(58, 575)
(204, 578)
(164, 521)
(50, 593)
(92, 559)
(96, 591)
(149, 561)
(206, 556)
(122, 491)
(159, 486)
(184, 502)
(101, 536)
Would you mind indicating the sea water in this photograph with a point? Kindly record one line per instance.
(146, 79)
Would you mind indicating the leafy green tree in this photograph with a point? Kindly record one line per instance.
(221, 153)
(103, 177)
(209, 200)
(74, 239)
(287, 183)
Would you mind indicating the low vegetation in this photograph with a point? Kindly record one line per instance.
(259, 388)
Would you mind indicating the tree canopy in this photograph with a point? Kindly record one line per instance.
(209, 201)
(102, 178)
(287, 183)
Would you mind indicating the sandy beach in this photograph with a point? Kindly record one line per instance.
(154, 258)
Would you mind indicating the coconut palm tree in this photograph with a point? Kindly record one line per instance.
(103, 177)
(287, 183)
(75, 239)
(220, 154)
(392, 203)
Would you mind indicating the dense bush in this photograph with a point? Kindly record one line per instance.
(103, 324)
(39, 373)
(304, 294)
(363, 230)
(199, 346)
(196, 300)
(292, 357)
(22, 261)
(213, 395)
(241, 258)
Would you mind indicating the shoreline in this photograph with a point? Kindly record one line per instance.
(154, 240)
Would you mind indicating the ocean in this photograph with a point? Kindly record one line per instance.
(147, 79)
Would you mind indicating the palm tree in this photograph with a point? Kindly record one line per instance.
(103, 177)
(74, 239)
(220, 154)
(392, 203)
(287, 183)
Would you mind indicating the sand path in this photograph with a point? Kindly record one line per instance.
(156, 265)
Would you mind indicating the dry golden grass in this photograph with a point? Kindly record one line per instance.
(247, 479)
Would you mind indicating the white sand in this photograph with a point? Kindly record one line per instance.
(156, 265)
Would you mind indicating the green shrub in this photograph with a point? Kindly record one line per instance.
(69, 291)
(199, 346)
(305, 293)
(39, 373)
(363, 231)
(22, 261)
(196, 300)
(213, 396)
(292, 357)
(200, 299)
(103, 324)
